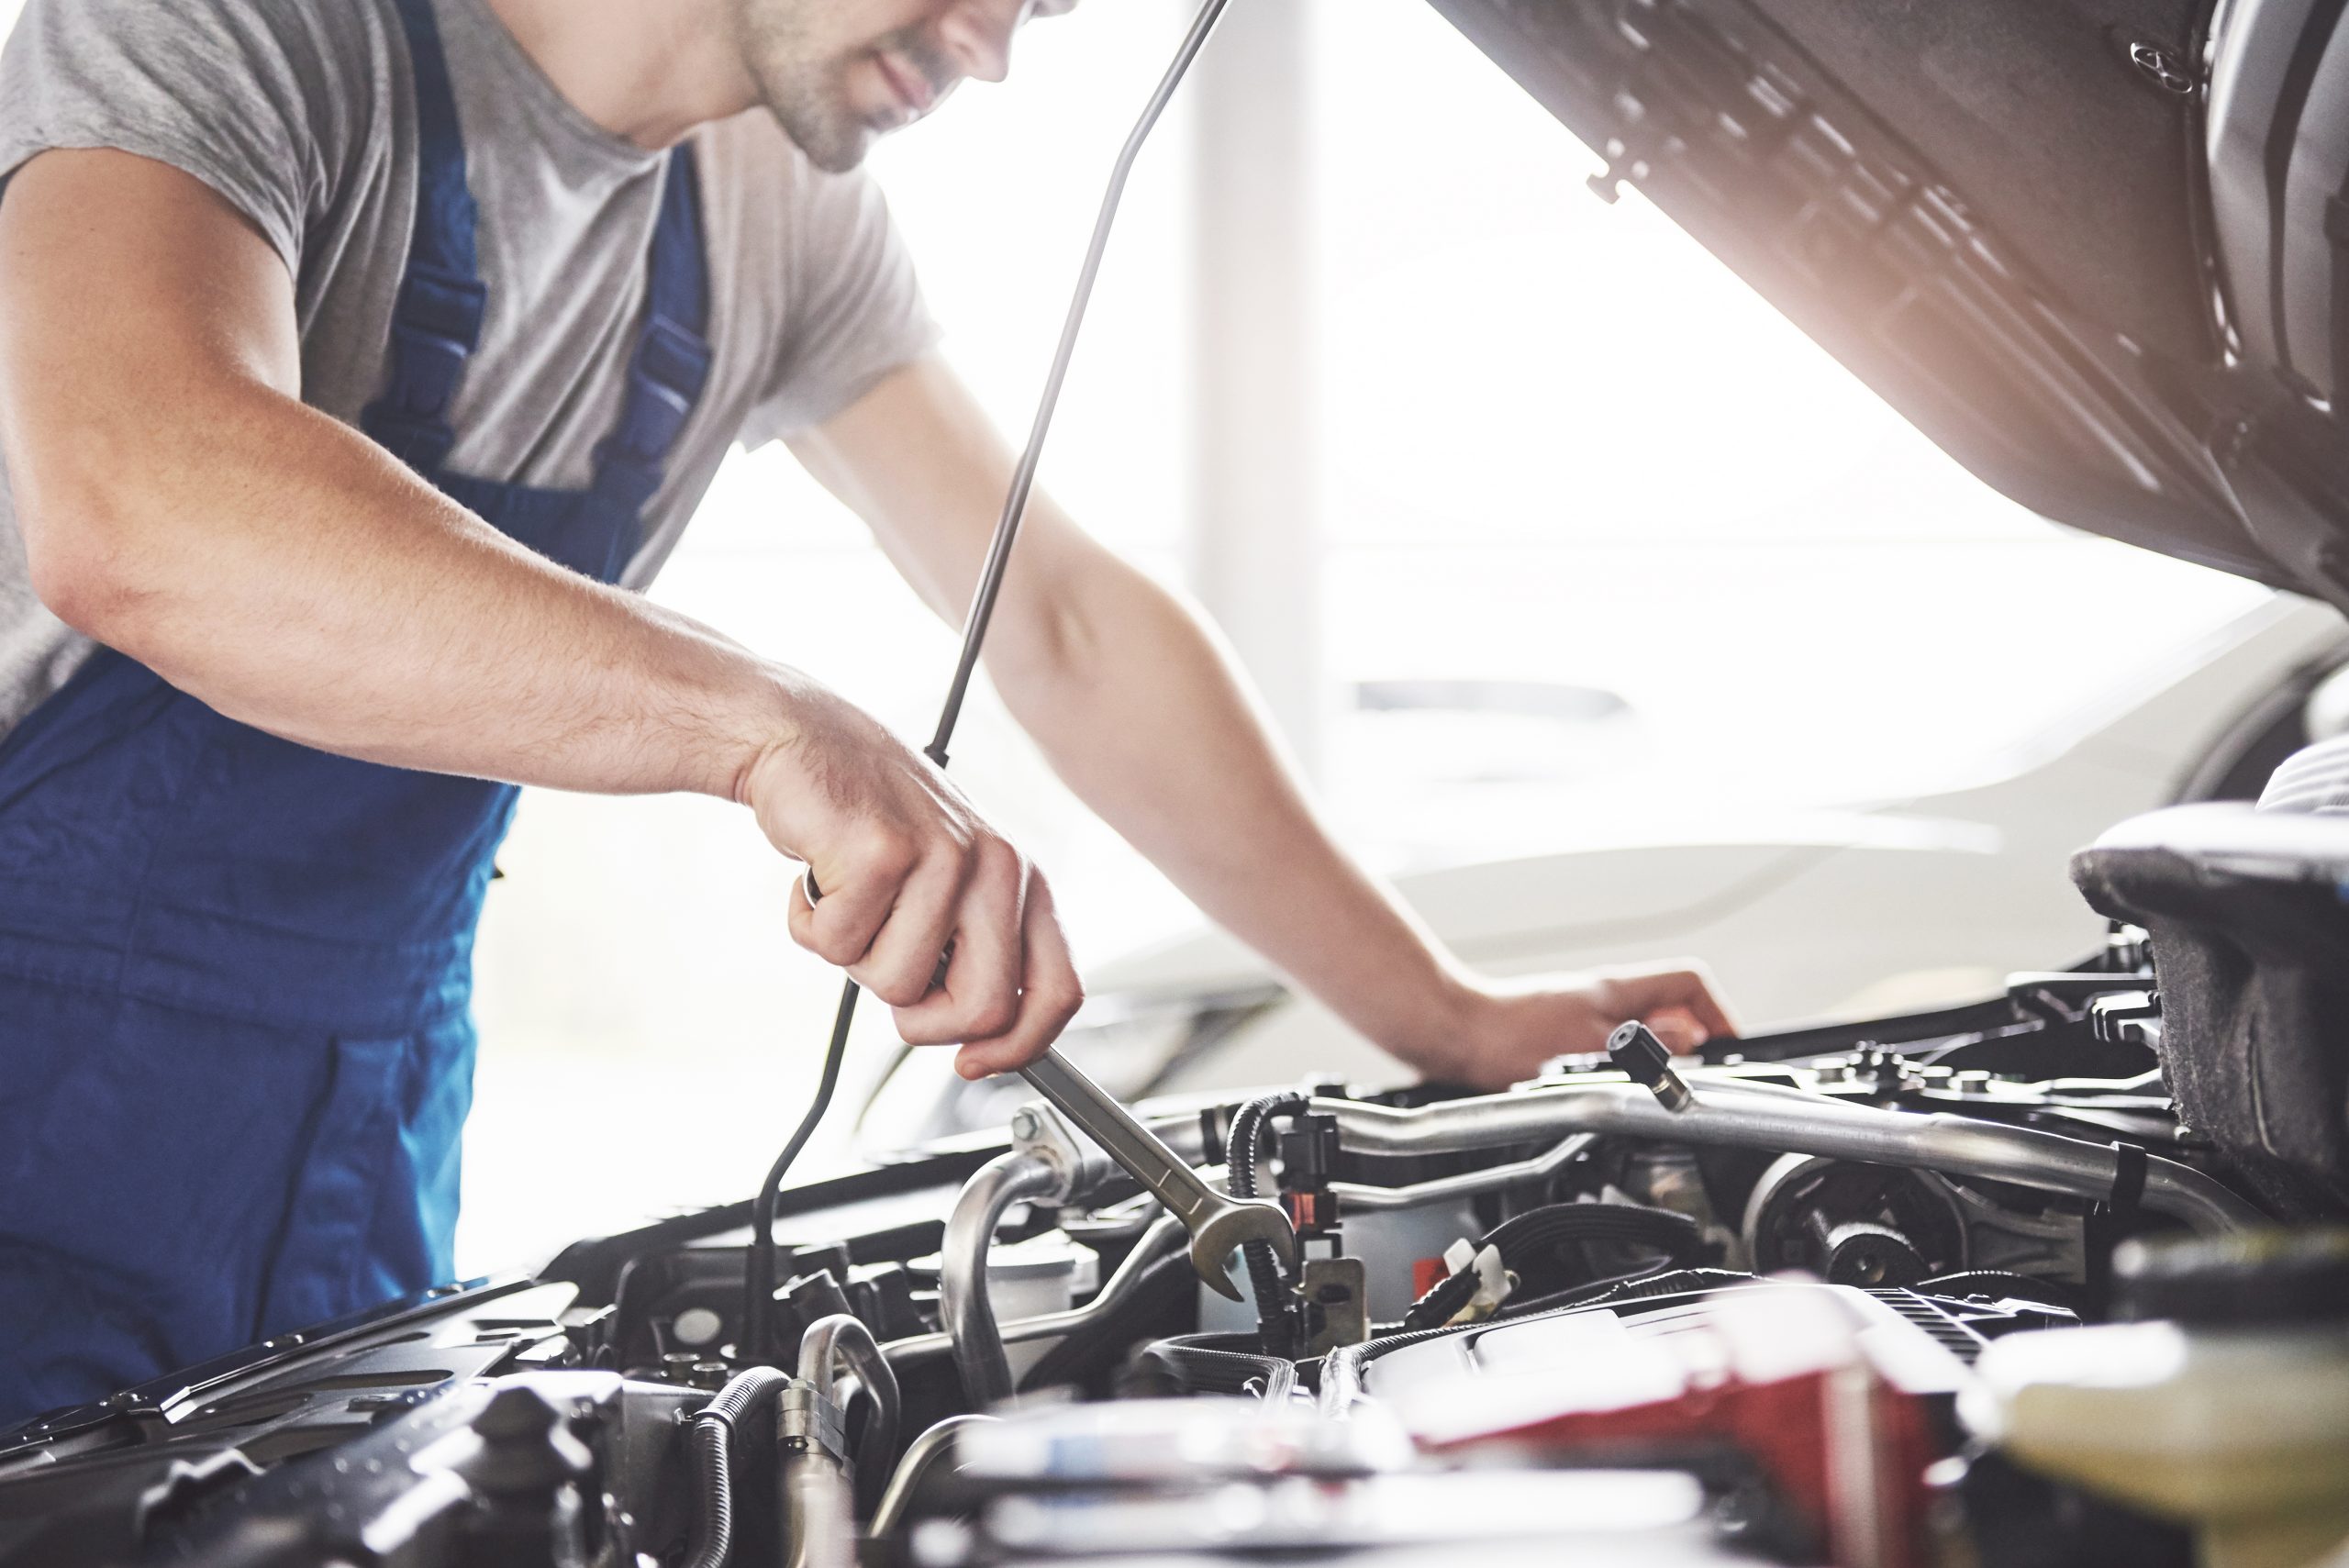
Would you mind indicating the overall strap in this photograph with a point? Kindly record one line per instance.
(671, 362)
(436, 321)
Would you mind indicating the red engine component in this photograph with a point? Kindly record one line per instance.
(1787, 1377)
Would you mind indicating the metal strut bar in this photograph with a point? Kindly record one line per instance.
(760, 1281)
(1767, 1118)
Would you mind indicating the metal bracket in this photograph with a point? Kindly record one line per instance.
(1081, 1166)
(1338, 1291)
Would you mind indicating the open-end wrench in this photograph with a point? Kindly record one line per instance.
(1217, 1222)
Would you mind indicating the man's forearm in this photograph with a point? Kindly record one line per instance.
(292, 574)
(1141, 710)
(178, 501)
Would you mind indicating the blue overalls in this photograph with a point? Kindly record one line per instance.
(235, 1046)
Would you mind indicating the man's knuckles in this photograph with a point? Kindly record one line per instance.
(898, 984)
(917, 1028)
(991, 1014)
(1056, 1001)
(880, 853)
(980, 1011)
(994, 869)
(841, 940)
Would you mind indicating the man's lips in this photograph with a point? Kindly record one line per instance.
(911, 86)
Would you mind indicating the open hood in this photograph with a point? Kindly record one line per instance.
(2068, 240)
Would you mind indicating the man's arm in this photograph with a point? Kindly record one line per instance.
(180, 503)
(1141, 709)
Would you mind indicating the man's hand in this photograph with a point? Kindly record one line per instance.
(909, 870)
(1510, 1030)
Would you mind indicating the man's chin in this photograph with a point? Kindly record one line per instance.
(834, 143)
(840, 159)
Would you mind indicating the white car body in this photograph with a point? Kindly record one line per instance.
(1806, 915)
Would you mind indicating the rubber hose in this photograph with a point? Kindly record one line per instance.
(1240, 1153)
(1530, 1243)
(1193, 1367)
(1665, 1229)
(1583, 1295)
(713, 1444)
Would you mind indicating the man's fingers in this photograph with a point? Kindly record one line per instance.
(860, 889)
(902, 959)
(1684, 993)
(800, 915)
(1050, 995)
(981, 996)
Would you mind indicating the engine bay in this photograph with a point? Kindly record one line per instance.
(1748, 1306)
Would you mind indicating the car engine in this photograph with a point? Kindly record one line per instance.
(2056, 1278)
(1874, 1293)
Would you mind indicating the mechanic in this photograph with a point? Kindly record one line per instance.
(359, 364)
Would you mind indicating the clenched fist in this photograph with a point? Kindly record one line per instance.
(909, 870)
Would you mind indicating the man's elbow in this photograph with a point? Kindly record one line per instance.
(1052, 648)
(80, 554)
(1083, 637)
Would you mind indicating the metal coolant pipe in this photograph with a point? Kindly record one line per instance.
(818, 1502)
(1793, 1122)
(923, 1456)
(962, 1301)
(819, 1511)
(843, 1338)
(1163, 1238)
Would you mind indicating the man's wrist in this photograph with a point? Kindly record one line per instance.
(765, 741)
(1437, 1030)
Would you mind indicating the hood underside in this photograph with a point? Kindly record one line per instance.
(1995, 212)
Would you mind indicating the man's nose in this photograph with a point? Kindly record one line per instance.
(978, 35)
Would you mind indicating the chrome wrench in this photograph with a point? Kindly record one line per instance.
(1218, 1223)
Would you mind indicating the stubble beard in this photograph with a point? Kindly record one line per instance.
(801, 86)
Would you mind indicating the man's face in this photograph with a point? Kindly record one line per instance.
(838, 73)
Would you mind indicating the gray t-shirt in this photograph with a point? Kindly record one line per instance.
(301, 114)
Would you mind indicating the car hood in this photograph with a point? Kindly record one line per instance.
(1993, 212)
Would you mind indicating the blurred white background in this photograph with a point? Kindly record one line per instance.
(1558, 443)
(1553, 442)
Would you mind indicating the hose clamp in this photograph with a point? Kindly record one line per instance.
(806, 1421)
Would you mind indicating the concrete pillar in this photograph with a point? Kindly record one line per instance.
(1254, 530)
